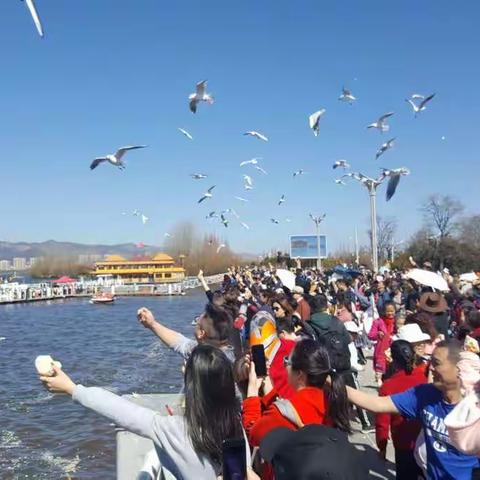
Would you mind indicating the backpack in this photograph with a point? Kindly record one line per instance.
(336, 343)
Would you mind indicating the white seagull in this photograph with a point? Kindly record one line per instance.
(144, 219)
(116, 158)
(253, 161)
(245, 226)
(182, 130)
(339, 181)
(421, 106)
(34, 14)
(200, 95)
(166, 234)
(247, 182)
(381, 123)
(314, 121)
(282, 200)
(275, 221)
(298, 172)
(258, 135)
(241, 199)
(207, 194)
(224, 220)
(260, 169)
(394, 175)
(385, 146)
(341, 163)
(198, 176)
(346, 96)
(222, 245)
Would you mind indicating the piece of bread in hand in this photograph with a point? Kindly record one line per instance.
(44, 365)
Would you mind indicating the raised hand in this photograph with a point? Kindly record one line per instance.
(145, 317)
(59, 382)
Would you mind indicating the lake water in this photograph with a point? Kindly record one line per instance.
(46, 436)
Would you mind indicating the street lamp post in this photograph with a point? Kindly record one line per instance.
(371, 184)
(317, 221)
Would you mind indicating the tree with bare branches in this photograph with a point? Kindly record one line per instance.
(441, 213)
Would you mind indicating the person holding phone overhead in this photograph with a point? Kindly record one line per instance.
(308, 368)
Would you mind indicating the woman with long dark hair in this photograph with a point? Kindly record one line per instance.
(190, 445)
(308, 369)
(402, 375)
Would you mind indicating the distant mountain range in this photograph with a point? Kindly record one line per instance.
(50, 248)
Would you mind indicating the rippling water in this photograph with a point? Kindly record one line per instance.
(46, 436)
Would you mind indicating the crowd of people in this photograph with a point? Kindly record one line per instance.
(294, 419)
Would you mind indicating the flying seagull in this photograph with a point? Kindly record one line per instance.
(34, 14)
(346, 96)
(207, 194)
(241, 199)
(185, 133)
(258, 135)
(144, 219)
(224, 220)
(245, 226)
(116, 158)
(200, 95)
(339, 181)
(298, 172)
(248, 181)
(275, 221)
(421, 106)
(282, 200)
(417, 96)
(260, 169)
(394, 175)
(198, 176)
(222, 245)
(166, 235)
(253, 161)
(381, 123)
(314, 121)
(211, 215)
(385, 146)
(341, 163)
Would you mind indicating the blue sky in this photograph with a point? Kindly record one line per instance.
(112, 73)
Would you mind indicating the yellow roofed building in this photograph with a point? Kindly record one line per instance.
(159, 268)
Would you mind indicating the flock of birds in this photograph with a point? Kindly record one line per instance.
(417, 102)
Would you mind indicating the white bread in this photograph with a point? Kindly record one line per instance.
(44, 364)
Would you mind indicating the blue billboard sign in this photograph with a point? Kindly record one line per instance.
(305, 246)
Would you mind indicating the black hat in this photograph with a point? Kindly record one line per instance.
(314, 452)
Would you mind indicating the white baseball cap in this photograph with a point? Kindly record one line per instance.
(411, 333)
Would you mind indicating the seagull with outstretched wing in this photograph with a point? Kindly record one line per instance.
(394, 175)
(385, 146)
(346, 96)
(341, 163)
(115, 159)
(421, 106)
(207, 194)
(198, 176)
(187, 134)
(282, 200)
(200, 95)
(314, 121)
(381, 123)
(260, 136)
(260, 169)
(36, 19)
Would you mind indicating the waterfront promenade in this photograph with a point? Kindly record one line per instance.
(35, 292)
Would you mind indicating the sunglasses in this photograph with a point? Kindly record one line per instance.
(287, 362)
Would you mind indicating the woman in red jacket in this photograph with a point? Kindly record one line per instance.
(308, 368)
(403, 375)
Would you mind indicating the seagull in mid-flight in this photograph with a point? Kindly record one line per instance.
(116, 158)
(298, 172)
(258, 135)
(144, 219)
(339, 181)
(198, 176)
(381, 123)
(282, 200)
(346, 96)
(385, 146)
(244, 225)
(212, 214)
(314, 121)
(275, 221)
(241, 199)
(224, 220)
(182, 130)
(253, 161)
(207, 194)
(248, 182)
(421, 106)
(341, 163)
(200, 95)
(34, 14)
(394, 175)
(260, 169)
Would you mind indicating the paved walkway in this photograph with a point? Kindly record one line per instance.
(366, 441)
